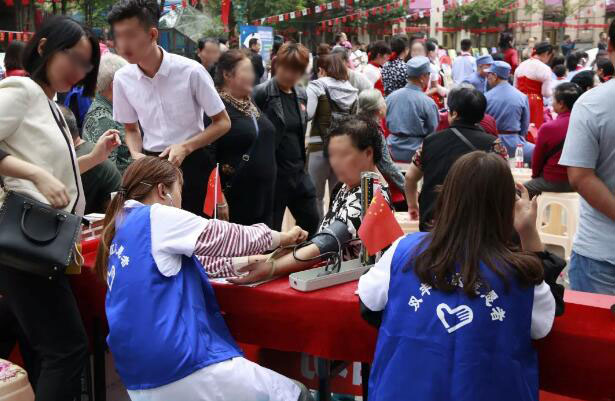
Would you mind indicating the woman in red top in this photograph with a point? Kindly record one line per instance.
(547, 174)
(12, 59)
(510, 53)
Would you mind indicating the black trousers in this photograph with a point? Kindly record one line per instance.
(196, 169)
(51, 334)
(297, 192)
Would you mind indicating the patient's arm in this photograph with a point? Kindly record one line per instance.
(263, 269)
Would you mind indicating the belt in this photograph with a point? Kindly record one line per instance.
(148, 153)
(508, 132)
(403, 134)
(315, 147)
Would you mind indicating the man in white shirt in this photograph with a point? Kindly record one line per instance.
(166, 94)
(464, 64)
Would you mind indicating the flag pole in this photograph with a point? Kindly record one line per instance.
(216, 193)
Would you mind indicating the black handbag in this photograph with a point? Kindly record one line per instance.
(35, 237)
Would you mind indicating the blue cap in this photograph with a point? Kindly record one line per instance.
(501, 69)
(482, 60)
(418, 66)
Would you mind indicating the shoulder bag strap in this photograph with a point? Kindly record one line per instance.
(463, 138)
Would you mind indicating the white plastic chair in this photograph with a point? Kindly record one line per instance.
(560, 226)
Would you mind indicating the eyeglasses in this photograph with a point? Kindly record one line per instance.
(85, 66)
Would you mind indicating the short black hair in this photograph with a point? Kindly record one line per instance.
(204, 41)
(146, 11)
(13, 59)
(469, 103)
(559, 70)
(430, 45)
(363, 132)
(399, 43)
(606, 66)
(567, 93)
(557, 60)
(505, 42)
(572, 62)
(253, 42)
(62, 33)
(585, 79)
(71, 121)
(466, 44)
(378, 48)
(543, 47)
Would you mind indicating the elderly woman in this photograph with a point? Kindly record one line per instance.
(354, 146)
(99, 117)
(373, 106)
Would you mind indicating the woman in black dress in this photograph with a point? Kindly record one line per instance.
(246, 154)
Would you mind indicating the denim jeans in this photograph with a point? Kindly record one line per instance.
(589, 275)
(510, 141)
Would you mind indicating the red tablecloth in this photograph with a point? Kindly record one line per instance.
(576, 359)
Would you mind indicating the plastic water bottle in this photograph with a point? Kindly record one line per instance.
(519, 156)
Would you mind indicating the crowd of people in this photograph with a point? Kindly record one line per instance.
(141, 130)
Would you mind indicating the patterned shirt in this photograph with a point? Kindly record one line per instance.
(97, 121)
(346, 207)
(393, 76)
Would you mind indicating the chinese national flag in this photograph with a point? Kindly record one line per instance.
(214, 192)
(379, 228)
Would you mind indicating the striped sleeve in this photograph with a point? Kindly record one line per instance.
(220, 238)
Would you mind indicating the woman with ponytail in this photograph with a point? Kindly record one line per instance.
(166, 333)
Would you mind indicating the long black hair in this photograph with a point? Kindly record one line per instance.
(61, 33)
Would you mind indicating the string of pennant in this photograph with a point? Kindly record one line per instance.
(513, 25)
(376, 10)
(15, 35)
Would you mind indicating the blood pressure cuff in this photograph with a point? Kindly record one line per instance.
(332, 237)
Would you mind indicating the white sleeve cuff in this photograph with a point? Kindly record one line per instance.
(374, 285)
(543, 311)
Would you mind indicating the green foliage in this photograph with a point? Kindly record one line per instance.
(478, 14)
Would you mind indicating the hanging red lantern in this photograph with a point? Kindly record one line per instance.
(9, 3)
(184, 3)
(1, 36)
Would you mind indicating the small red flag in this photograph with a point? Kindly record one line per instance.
(379, 228)
(213, 191)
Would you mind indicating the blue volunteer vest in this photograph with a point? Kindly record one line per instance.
(437, 346)
(161, 329)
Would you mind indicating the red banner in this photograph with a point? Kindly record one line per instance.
(226, 11)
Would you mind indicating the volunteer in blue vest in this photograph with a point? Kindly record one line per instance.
(511, 110)
(166, 332)
(460, 306)
(479, 77)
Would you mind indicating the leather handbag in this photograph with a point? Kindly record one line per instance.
(36, 238)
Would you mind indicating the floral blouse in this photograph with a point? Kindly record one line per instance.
(346, 207)
(393, 76)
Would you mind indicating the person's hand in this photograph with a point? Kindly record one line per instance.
(295, 235)
(413, 211)
(176, 154)
(525, 211)
(223, 212)
(105, 145)
(258, 269)
(52, 189)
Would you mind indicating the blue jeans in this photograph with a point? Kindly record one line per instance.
(510, 141)
(590, 275)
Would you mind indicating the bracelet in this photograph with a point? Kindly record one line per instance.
(221, 205)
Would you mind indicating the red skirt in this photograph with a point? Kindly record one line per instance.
(533, 90)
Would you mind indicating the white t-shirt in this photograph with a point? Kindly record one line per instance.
(374, 291)
(168, 106)
(372, 73)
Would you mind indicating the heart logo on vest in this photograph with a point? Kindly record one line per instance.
(463, 312)
(110, 277)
